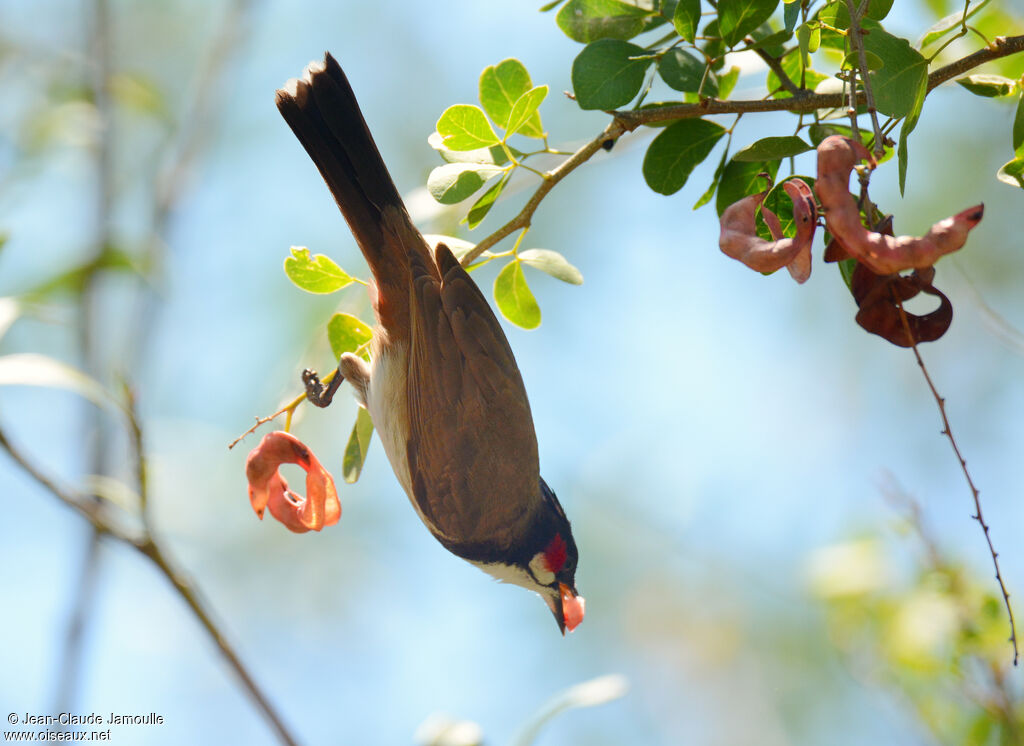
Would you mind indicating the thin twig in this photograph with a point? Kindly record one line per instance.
(97, 513)
(776, 67)
(978, 515)
(856, 37)
(608, 137)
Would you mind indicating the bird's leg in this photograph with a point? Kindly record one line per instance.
(350, 367)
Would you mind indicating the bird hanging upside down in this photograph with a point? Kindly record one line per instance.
(442, 387)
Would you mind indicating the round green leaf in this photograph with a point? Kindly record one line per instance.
(897, 83)
(605, 77)
(501, 86)
(454, 182)
(464, 127)
(515, 301)
(737, 18)
(346, 333)
(552, 263)
(674, 153)
(684, 72)
(590, 20)
(314, 274)
(772, 148)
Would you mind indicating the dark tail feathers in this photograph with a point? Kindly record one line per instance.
(323, 113)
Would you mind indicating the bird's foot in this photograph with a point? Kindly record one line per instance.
(316, 392)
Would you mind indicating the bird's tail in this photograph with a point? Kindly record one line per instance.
(323, 113)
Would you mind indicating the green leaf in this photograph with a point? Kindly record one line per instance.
(917, 103)
(454, 182)
(896, 84)
(525, 110)
(819, 131)
(947, 24)
(1011, 173)
(710, 192)
(792, 65)
(852, 61)
(791, 14)
(605, 77)
(740, 179)
(482, 206)
(591, 693)
(586, 21)
(464, 127)
(714, 47)
(552, 263)
(727, 82)
(770, 42)
(31, 369)
(674, 153)
(846, 268)
(515, 301)
(346, 333)
(684, 72)
(878, 9)
(549, 6)
(781, 204)
(314, 274)
(737, 18)
(357, 446)
(1018, 128)
(494, 155)
(686, 18)
(988, 86)
(772, 148)
(501, 86)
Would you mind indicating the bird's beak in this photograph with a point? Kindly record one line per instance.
(568, 608)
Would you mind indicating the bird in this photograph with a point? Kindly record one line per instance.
(442, 385)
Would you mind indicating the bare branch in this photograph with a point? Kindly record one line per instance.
(978, 515)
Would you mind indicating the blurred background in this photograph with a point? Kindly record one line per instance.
(775, 540)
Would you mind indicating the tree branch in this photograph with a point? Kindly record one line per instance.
(607, 138)
(97, 513)
(805, 103)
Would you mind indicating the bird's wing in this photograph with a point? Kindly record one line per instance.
(472, 447)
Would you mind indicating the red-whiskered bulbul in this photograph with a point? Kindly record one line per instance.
(442, 387)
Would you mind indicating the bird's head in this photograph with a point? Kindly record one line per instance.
(545, 562)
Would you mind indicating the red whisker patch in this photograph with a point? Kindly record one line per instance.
(556, 554)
